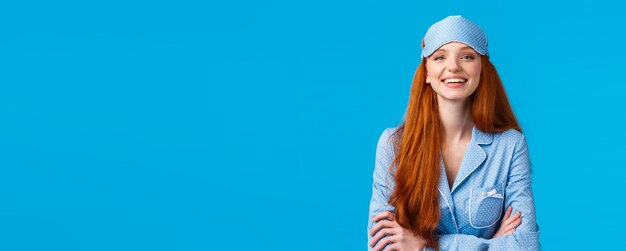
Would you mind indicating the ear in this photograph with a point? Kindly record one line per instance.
(427, 78)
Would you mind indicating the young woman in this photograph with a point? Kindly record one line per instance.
(455, 175)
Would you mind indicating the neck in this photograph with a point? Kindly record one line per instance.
(456, 118)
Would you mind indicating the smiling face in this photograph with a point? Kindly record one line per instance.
(453, 71)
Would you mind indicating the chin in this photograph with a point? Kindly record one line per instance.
(456, 96)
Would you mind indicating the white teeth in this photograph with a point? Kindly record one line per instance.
(455, 80)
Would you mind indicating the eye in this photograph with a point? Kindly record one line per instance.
(468, 57)
(437, 58)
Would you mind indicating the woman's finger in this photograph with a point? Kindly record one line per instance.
(508, 212)
(379, 225)
(513, 225)
(382, 243)
(384, 215)
(382, 233)
(393, 246)
(511, 219)
(516, 223)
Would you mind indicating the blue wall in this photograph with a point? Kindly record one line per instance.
(252, 125)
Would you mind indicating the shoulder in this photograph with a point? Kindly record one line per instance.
(509, 137)
(510, 142)
(387, 136)
(385, 148)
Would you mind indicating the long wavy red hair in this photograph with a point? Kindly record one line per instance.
(418, 141)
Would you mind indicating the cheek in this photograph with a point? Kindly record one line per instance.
(432, 73)
(477, 69)
(476, 84)
(476, 73)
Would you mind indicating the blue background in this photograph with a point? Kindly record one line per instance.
(248, 125)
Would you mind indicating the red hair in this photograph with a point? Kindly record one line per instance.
(417, 146)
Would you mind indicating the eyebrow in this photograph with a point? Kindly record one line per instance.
(463, 48)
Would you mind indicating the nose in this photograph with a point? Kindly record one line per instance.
(453, 66)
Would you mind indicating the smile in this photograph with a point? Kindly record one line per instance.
(455, 80)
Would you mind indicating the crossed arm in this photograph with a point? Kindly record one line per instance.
(517, 231)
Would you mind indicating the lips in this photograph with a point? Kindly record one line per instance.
(454, 81)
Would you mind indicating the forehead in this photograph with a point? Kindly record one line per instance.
(454, 46)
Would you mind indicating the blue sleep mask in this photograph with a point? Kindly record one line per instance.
(454, 29)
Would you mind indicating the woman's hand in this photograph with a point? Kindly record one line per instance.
(398, 238)
(509, 223)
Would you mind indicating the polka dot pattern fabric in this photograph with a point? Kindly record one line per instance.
(494, 174)
(454, 29)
